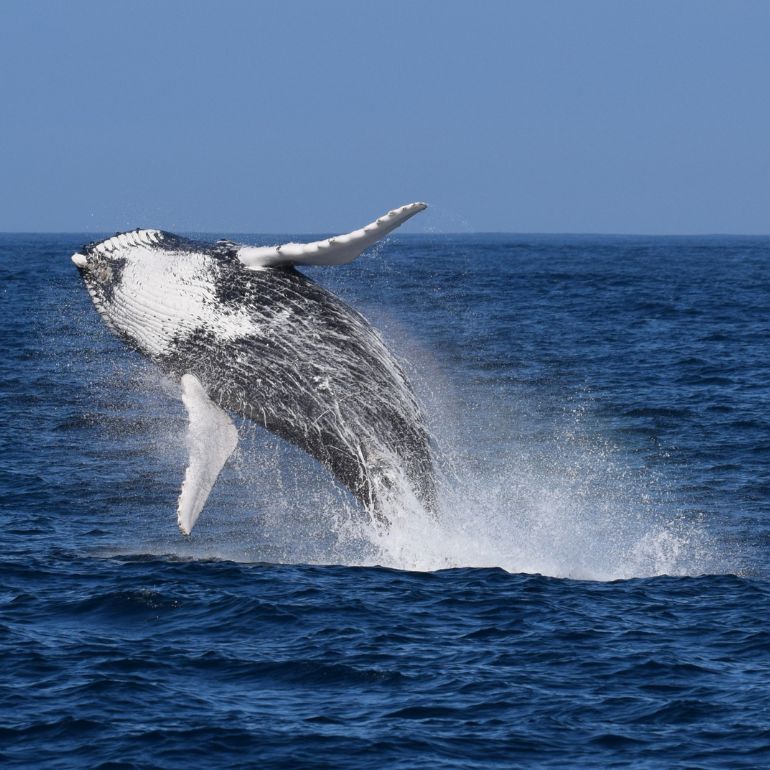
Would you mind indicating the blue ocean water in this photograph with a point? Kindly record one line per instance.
(596, 591)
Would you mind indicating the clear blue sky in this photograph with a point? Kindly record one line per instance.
(310, 116)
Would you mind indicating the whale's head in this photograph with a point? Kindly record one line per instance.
(117, 274)
(150, 287)
(106, 268)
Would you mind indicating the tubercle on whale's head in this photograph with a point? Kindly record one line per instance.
(89, 258)
(90, 264)
(97, 268)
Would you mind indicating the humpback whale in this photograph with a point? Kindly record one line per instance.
(246, 333)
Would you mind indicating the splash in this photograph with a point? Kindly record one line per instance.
(578, 513)
(546, 525)
(530, 482)
(569, 505)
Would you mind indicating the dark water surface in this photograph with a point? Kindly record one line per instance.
(596, 593)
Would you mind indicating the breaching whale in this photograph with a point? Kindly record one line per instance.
(246, 333)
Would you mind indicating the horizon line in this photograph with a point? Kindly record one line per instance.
(516, 233)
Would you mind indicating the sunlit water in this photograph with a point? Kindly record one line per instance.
(593, 592)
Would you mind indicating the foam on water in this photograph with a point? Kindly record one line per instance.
(582, 515)
(549, 533)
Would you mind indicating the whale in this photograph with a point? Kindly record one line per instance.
(247, 334)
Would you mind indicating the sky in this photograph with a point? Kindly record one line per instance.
(299, 116)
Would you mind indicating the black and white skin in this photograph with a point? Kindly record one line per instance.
(246, 333)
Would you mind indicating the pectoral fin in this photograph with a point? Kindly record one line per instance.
(331, 251)
(211, 439)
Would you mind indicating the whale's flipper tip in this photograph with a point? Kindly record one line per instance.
(337, 250)
(211, 439)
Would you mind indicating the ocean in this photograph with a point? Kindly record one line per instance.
(594, 593)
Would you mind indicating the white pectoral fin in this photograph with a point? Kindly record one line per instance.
(331, 251)
(211, 439)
